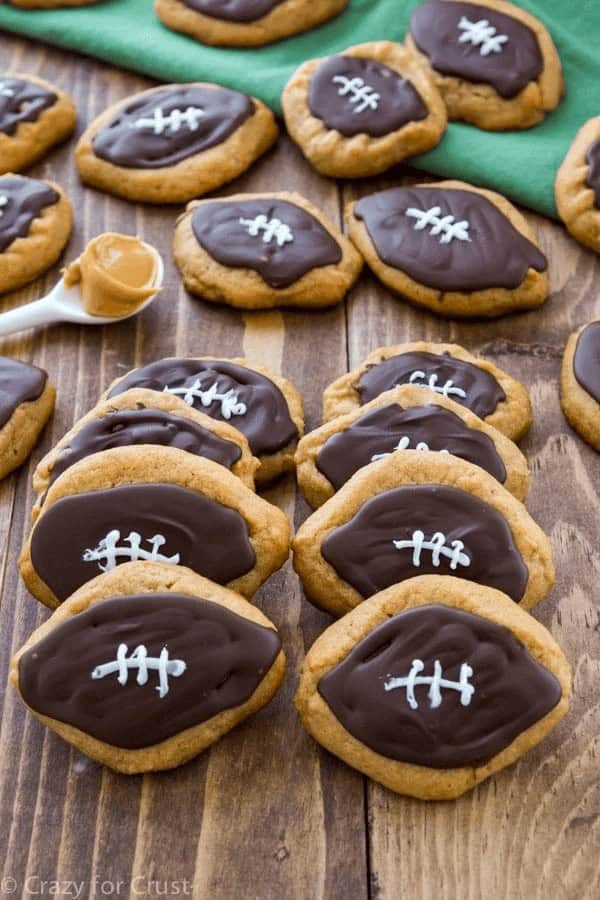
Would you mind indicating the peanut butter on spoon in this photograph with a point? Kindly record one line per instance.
(116, 274)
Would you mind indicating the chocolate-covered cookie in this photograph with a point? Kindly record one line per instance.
(420, 513)
(362, 111)
(580, 383)
(153, 504)
(244, 23)
(139, 417)
(403, 419)
(34, 116)
(433, 685)
(35, 224)
(265, 407)
(446, 369)
(577, 186)
(175, 142)
(263, 250)
(146, 666)
(494, 63)
(453, 248)
(26, 404)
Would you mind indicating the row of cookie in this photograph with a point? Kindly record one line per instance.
(494, 64)
(414, 686)
(429, 243)
(376, 410)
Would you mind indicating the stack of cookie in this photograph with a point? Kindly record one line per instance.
(428, 684)
(148, 541)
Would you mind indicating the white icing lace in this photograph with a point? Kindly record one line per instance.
(178, 118)
(140, 660)
(404, 444)
(360, 94)
(109, 550)
(446, 226)
(271, 229)
(436, 682)
(445, 389)
(438, 548)
(6, 91)
(481, 34)
(230, 404)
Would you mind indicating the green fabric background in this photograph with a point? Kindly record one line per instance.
(520, 164)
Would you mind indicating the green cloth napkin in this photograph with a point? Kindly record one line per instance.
(520, 164)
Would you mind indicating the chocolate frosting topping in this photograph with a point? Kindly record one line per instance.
(234, 10)
(477, 43)
(363, 551)
(82, 535)
(279, 240)
(122, 428)
(390, 428)
(593, 173)
(19, 383)
(353, 95)
(22, 101)
(265, 418)
(461, 381)
(479, 247)
(226, 657)
(511, 690)
(164, 127)
(21, 201)
(586, 361)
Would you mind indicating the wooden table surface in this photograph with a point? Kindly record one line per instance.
(266, 813)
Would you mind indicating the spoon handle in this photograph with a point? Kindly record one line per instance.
(41, 312)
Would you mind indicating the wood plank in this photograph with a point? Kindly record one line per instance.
(529, 832)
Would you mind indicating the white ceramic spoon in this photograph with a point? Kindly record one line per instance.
(64, 304)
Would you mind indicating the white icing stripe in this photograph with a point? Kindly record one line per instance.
(3, 202)
(404, 444)
(178, 118)
(6, 91)
(438, 548)
(140, 660)
(481, 34)
(230, 405)
(445, 389)
(360, 94)
(271, 229)
(109, 550)
(446, 226)
(436, 682)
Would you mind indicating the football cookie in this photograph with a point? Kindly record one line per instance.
(34, 116)
(174, 142)
(140, 417)
(265, 407)
(577, 186)
(580, 383)
(360, 112)
(245, 23)
(26, 404)
(446, 369)
(35, 225)
(405, 418)
(420, 513)
(151, 503)
(146, 666)
(256, 251)
(433, 685)
(494, 64)
(455, 249)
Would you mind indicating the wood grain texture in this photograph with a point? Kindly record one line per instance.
(266, 813)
